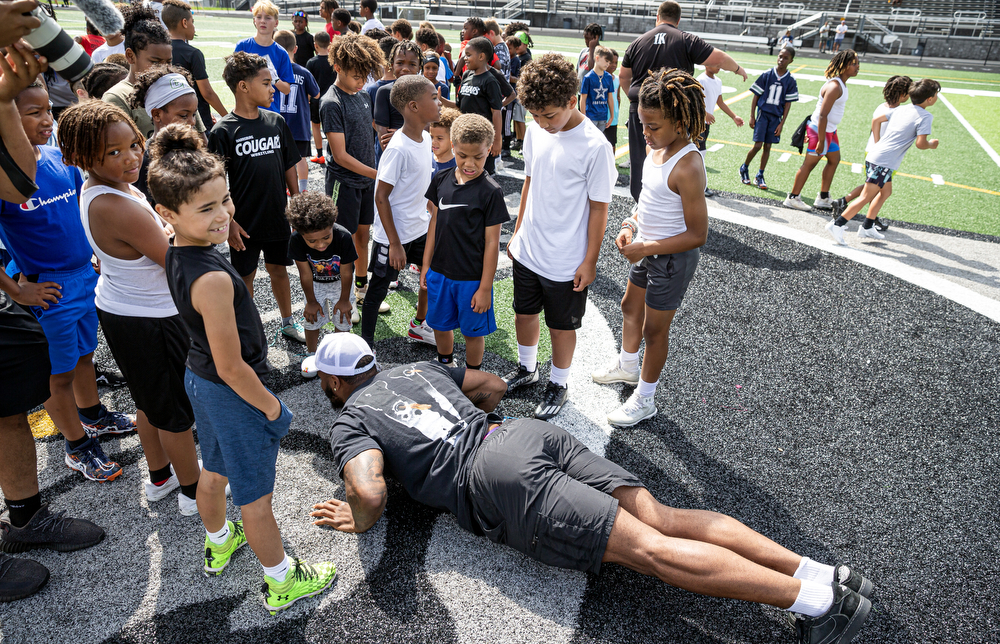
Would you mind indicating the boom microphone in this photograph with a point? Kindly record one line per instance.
(104, 15)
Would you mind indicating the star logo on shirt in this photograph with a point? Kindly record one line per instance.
(601, 93)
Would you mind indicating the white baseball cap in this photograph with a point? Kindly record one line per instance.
(339, 354)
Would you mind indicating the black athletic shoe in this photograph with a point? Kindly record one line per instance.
(838, 206)
(853, 580)
(515, 144)
(709, 193)
(109, 377)
(521, 377)
(20, 578)
(881, 225)
(552, 401)
(52, 531)
(838, 625)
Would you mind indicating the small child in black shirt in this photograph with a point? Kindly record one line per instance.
(463, 244)
(405, 60)
(480, 92)
(324, 254)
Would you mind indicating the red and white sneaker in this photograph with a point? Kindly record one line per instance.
(422, 333)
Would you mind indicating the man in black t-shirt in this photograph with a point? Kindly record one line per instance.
(532, 486)
(663, 47)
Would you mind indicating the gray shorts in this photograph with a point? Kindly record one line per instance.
(518, 111)
(540, 491)
(665, 278)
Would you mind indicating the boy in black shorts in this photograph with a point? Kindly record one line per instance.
(260, 156)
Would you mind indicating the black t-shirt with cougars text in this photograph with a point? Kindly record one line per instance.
(257, 153)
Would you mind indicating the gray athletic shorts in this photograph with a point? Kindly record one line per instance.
(540, 491)
(518, 111)
(665, 278)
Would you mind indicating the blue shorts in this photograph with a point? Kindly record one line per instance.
(70, 325)
(449, 307)
(763, 129)
(237, 440)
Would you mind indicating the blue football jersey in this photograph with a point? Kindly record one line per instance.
(775, 91)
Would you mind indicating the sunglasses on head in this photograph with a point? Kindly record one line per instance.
(299, 14)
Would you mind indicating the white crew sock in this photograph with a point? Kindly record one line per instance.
(220, 537)
(814, 571)
(646, 389)
(814, 599)
(559, 376)
(279, 572)
(628, 361)
(528, 356)
(303, 185)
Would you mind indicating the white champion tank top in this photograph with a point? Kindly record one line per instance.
(836, 112)
(128, 287)
(661, 214)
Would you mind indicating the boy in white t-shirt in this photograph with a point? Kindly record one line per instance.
(400, 230)
(713, 99)
(569, 175)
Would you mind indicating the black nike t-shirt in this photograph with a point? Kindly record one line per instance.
(325, 263)
(257, 153)
(464, 213)
(427, 430)
(662, 47)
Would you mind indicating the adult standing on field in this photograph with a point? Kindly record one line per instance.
(841, 32)
(664, 46)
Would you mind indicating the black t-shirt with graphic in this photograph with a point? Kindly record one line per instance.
(257, 154)
(326, 263)
(464, 213)
(427, 430)
(662, 47)
(479, 94)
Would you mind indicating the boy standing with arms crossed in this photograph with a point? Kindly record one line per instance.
(569, 174)
(260, 157)
(767, 118)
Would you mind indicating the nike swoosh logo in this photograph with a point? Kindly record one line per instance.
(446, 206)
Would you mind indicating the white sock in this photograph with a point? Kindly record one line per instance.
(814, 599)
(303, 185)
(279, 572)
(220, 537)
(814, 571)
(559, 376)
(628, 361)
(528, 356)
(646, 389)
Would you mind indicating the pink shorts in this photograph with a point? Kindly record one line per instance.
(812, 139)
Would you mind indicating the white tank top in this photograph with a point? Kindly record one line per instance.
(836, 112)
(128, 287)
(661, 214)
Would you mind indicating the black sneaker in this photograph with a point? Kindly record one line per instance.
(838, 625)
(853, 580)
(552, 401)
(881, 225)
(709, 193)
(109, 377)
(521, 377)
(52, 531)
(838, 206)
(20, 578)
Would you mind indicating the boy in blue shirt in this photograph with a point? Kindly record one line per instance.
(294, 106)
(597, 84)
(45, 237)
(265, 20)
(767, 117)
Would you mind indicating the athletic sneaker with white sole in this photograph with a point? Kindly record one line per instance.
(303, 580)
(853, 580)
(520, 377)
(109, 423)
(613, 373)
(840, 624)
(421, 332)
(869, 233)
(308, 367)
(89, 459)
(745, 174)
(824, 204)
(637, 408)
(156, 492)
(294, 331)
(186, 506)
(796, 202)
(837, 232)
(217, 557)
(359, 296)
(553, 400)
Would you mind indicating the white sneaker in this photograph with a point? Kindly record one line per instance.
(837, 232)
(157, 492)
(422, 333)
(796, 203)
(627, 163)
(308, 367)
(384, 308)
(615, 373)
(355, 314)
(635, 409)
(360, 292)
(187, 507)
(229, 490)
(393, 285)
(870, 233)
(825, 204)
(498, 165)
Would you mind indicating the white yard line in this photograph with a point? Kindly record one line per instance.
(968, 126)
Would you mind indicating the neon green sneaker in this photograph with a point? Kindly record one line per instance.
(217, 557)
(303, 580)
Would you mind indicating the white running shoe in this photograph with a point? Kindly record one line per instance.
(635, 409)
(393, 285)
(498, 165)
(157, 492)
(422, 333)
(837, 232)
(384, 308)
(360, 292)
(187, 507)
(796, 203)
(869, 233)
(627, 163)
(308, 367)
(355, 314)
(825, 204)
(615, 373)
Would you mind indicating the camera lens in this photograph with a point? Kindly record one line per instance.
(63, 53)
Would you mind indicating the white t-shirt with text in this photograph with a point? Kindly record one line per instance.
(407, 166)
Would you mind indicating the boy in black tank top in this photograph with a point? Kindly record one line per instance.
(240, 422)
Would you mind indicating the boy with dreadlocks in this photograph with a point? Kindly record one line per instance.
(569, 174)
(662, 239)
(821, 133)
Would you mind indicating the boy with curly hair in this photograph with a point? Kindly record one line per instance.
(569, 175)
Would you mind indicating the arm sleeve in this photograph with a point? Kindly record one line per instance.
(198, 71)
(218, 142)
(515, 66)
(312, 87)
(792, 95)
(505, 87)
(383, 115)
(585, 85)
(331, 114)
(496, 209)
(629, 55)
(390, 166)
(432, 191)
(348, 439)
(289, 151)
(924, 125)
(758, 86)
